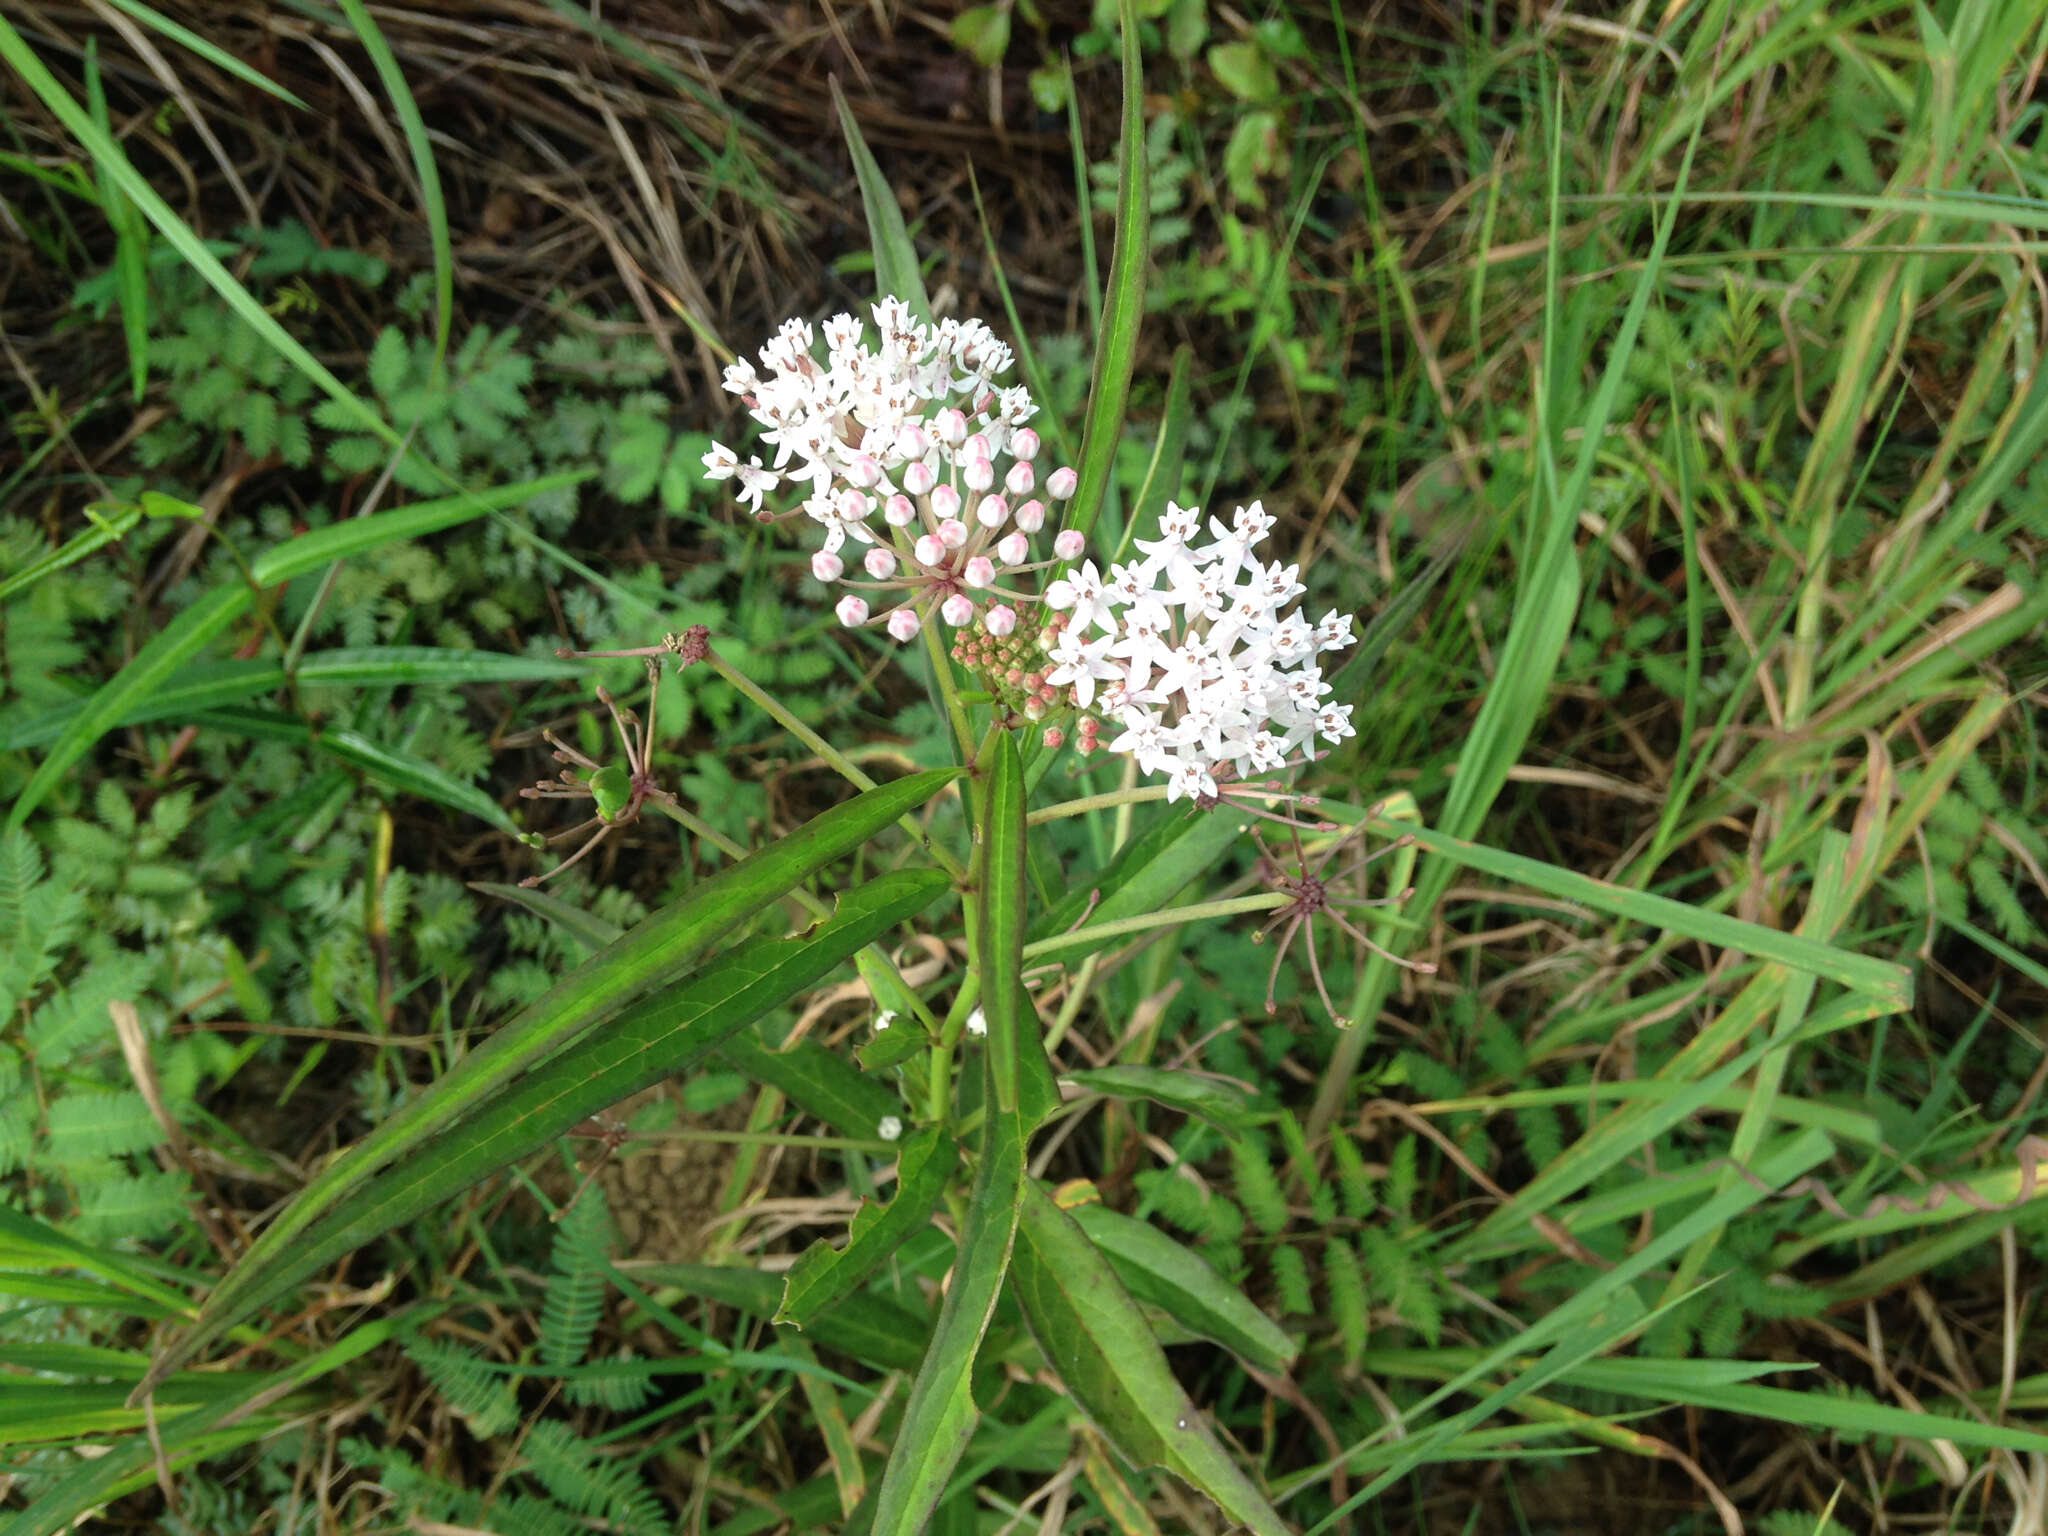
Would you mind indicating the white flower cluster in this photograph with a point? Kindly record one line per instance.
(914, 429)
(1188, 651)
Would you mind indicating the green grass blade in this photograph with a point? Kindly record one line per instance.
(215, 684)
(824, 1276)
(310, 551)
(152, 666)
(897, 270)
(390, 766)
(185, 37)
(1116, 343)
(1095, 1337)
(1681, 1381)
(131, 240)
(1184, 1285)
(108, 158)
(665, 1035)
(649, 955)
(432, 204)
(1880, 980)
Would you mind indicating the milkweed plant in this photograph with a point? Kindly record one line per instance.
(940, 526)
(933, 516)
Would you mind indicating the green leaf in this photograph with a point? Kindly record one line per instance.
(1222, 1104)
(897, 270)
(825, 1276)
(212, 684)
(1095, 1337)
(310, 551)
(1255, 150)
(821, 1083)
(108, 524)
(1245, 71)
(665, 1035)
(940, 1415)
(1116, 348)
(389, 766)
(983, 33)
(1022, 1077)
(879, 1331)
(587, 929)
(1181, 1283)
(651, 954)
(1150, 871)
(150, 668)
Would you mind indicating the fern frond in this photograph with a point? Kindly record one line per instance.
(575, 1297)
(1348, 1305)
(573, 1471)
(1257, 1186)
(483, 1397)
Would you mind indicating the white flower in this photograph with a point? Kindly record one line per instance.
(889, 1127)
(1081, 663)
(884, 1019)
(977, 1023)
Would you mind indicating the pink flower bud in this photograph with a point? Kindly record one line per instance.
(980, 474)
(900, 511)
(1020, 479)
(980, 572)
(1034, 709)
(992, 512)
(918, 478)
(957, 609)
(951, 427)
(913, 442)
(1053, 737)
(1013, 549)
(1000, 620)
(945, 502)
(903, 625)
(1061, 482)
(880, 563)
(854, 505)
(952, 533)
(928, 550)
(1069, 544)
(827, 567)
(1030, 517)
(976, 447)
(864, 471)
(1060, 595)
(852, 610)
(1024, 445)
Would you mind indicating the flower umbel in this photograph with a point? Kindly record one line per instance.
(1193, 652)
(916, 429)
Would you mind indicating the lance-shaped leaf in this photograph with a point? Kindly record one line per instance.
(886, 1335)
(1181, 1284)
(940, 1416)
(1116, 346)
(896, 266)
(652, 953)
(1019, 1073)
(825, 1276)
(817, 1081)
(666, 1034)
(1150, 871)
(1095, 1337)
(1223, 1104)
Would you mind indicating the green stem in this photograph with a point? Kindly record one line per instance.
(832, 756)
(1264, 901)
